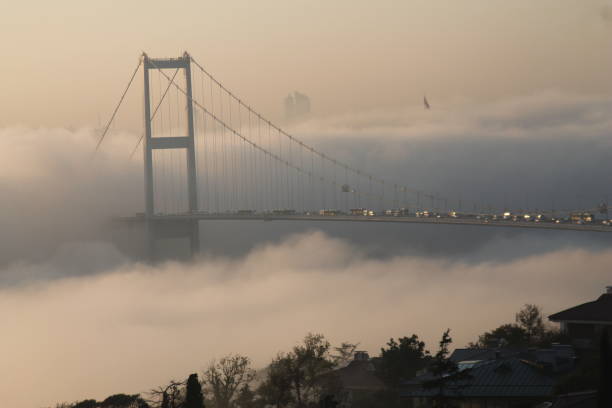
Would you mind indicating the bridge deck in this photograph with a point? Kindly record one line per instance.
(374, 219)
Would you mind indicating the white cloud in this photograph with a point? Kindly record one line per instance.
(135, 326)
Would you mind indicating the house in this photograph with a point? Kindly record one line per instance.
(359, 374)
(584, 323)
(357, 380)
(501, 383)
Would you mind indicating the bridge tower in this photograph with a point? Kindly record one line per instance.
(183, 226)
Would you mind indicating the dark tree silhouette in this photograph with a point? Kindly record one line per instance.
(446, 373)
(298, 377)
(308, 362)
(194, 398)
(169, 396)
(530, 319)
(224, 378)
(124, 401)
(343, 355)
(510, 335)
(275, 390)
(90, 403)
(165, 403)
(528, 330)
(401, 360)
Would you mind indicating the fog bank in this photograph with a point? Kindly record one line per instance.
(134, 327)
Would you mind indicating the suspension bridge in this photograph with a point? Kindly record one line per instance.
(208, 155)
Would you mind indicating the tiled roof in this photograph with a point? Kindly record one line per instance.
(510, 377)
(599, 310)
(465, 354)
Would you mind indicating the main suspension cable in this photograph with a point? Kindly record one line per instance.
(110, 121)
(225, 126)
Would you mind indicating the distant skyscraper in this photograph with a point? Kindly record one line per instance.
(297, 106)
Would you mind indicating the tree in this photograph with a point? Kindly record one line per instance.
(307, 363)
(245, 398)
(276, 388)
(169, 396)
(445, 371)
(193, 393)
(441, 364)
(225, 377)
(344, 354)
(530, 319)
(301, 376)
(165, 402)
(510, 335)
(89, 403)
(124, 401)
(528, 330)
(402, 360)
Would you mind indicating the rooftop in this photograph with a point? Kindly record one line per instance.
(359, 375)
(512, 377)
(599, 310)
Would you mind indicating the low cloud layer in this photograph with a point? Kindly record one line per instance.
(55, 191)
(548, 150)
(134, 327)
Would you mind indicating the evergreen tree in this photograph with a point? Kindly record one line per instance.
(446, 373)
(194, 398)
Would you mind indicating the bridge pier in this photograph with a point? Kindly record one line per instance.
(157, 230)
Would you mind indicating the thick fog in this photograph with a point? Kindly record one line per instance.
(549, 150)
(84, 318)
(135, 327)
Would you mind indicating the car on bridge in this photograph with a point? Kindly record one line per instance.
(362, 212)
(331, 212)
(581, 217)
(397, 212)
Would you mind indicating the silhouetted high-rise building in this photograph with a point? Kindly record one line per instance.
(297, 106)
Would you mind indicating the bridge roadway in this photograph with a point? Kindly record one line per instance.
(376, 219)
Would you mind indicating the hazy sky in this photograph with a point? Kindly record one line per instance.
(521, 99)
(65, 62)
